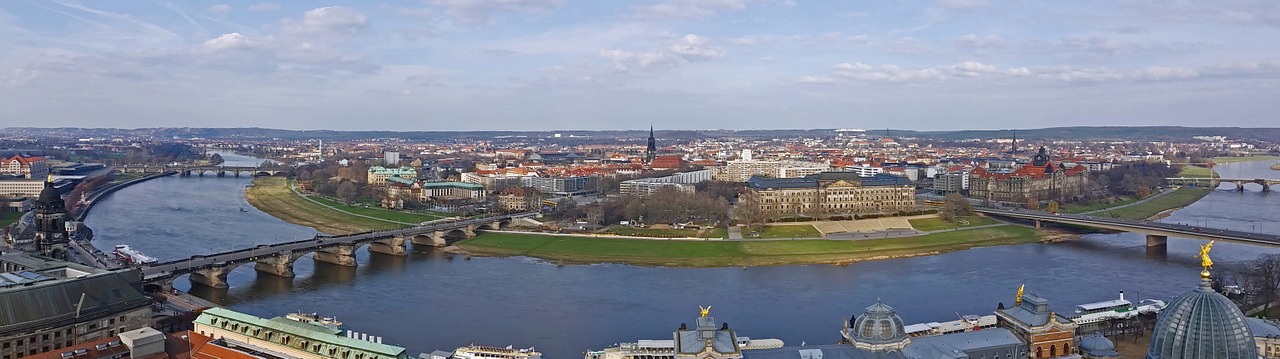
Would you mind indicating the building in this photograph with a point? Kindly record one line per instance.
(683, 182)
(742, 170)
(651, 150)
(378, 175)
(1096, 346)
(564, 186)
(829, 194)
(707, 340)
(878, 333)
(289, 338)
(951, 182)
(44, 311)
(519, 199)
(1039, 180)
(1202, 324)
(670, 162)
(452, 191)
(865, 170)
(391, 158)
(24, 166)
(20, 187)
(1266, 336)
(1047, 334)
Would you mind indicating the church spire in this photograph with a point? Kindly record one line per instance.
(651, 151)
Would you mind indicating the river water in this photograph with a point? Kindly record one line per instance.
(425, 301)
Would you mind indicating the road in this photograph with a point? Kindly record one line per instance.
(1148, 227)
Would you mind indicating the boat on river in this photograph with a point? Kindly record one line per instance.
(315, 318)
(483, 352)
(132, 256)
(666, 348)
(1115, 309)
(1275, 166)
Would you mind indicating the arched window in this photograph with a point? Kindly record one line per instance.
(1066, 349)
(1053, 351)
(1039, 352)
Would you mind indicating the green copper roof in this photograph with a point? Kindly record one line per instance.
(313, 333)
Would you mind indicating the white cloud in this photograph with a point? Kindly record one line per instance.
(696, 47)
(689, 9)
(220, 9)
(326, 21)
(626, 61)
(985, 41)
(265, 7)
(226, 42)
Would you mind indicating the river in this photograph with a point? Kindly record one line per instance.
(426, 302)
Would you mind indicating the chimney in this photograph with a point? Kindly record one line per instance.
(1122, 295)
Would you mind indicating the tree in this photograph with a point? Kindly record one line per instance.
(347, 191)
(1033, 203)
(1262, 278)
(1053, 206)
(954, 205)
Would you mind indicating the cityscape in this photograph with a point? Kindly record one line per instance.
(660, 179)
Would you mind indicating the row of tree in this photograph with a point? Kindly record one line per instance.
(667, 205)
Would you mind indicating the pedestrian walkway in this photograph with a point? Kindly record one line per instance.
(1138, 202)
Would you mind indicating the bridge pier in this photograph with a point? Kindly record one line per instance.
(1239, 186)
(342, 254)
(434, 239)
(1157, 243)
(279, 265)
(390, 246)
(212, 277)
(222, 173)
(1037, 224)
(495, 225)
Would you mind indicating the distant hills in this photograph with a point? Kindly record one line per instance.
(1144, 133)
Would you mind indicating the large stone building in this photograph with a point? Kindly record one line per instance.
(24, 166)
(378, 175)
(743, 169)
(829, 194)
(289, 338)
(683, 182)
(1040, 180)
(519, 199)
(47, 304)
(1047, 334)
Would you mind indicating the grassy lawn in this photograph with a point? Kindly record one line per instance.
(380, 212)
(650, 232)
(1113, 202)
(683, 253)
(1178, 199)
(790, 231)
(717, 232)
(125, 177)
(1220, 160)
(1195, 172)
(937, 224)
(272, 195)
(7, 218)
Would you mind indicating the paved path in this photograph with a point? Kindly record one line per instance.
(308, 198)
(1138, 202)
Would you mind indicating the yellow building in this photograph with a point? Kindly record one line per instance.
(829, 194)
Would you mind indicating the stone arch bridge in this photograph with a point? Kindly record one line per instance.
(201, 171)
(1216, 181)
(277, 259)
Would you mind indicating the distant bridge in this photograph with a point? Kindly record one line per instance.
(1157, 232)
(277, 259)
(216, 170)
(1215, 181)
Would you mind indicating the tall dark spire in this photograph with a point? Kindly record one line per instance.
(651, 151)
(1014, 147)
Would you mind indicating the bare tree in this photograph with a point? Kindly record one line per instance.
(1262, 278)
(1033, 203)
(347, 191)
(954, 205)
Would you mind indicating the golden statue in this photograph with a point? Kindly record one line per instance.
(705, 311)
(1205, 262)
(1019, 299)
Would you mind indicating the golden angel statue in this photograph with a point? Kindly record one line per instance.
(1018, 300)
(1204, 257)
(705, 311)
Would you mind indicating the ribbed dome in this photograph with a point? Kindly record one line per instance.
(1202, 324)
(1097, 345)
(879, 324)
(49, 194)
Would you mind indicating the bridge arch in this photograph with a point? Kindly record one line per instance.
(262, 174)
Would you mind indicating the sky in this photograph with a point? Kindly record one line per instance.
(675, 64)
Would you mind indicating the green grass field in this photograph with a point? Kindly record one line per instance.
(790, 231)
(1221, 160)
(7, 218)
(1195, 172)
(1178, 199)
(717, 232)
(937, 224)
(382, 213)
(1114, 202)
(650, 232)
(684, 253)
(272, 195)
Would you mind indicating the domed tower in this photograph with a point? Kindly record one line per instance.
(1096, 346)
(1202, 324)
(50, 222)
(878, 328)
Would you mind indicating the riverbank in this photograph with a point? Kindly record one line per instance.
(1222, 160)
(1157, 207)
(717, 253)
(273, 196)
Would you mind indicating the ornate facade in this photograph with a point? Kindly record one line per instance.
(1041, 179)
(519, 199)
(829, 194)
(1047, 334)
